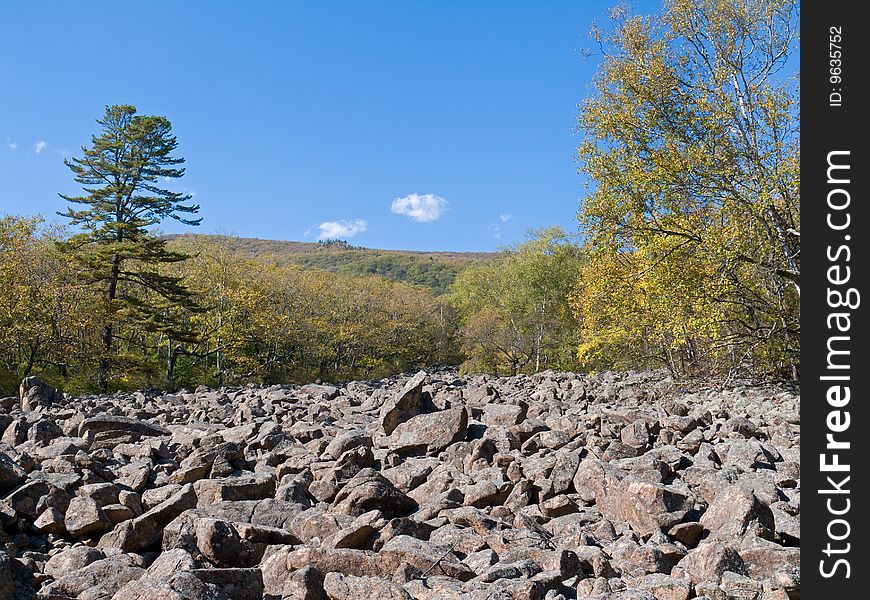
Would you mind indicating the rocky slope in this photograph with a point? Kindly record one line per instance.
(431, 486)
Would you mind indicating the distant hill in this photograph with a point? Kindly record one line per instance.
(435, 270)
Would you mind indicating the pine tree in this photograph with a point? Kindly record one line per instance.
(118, 251)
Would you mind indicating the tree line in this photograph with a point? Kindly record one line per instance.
(256, 319)
(436, 270)
(688, 255)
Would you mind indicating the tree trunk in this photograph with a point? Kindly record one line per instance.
(219, 363)
(539, 338)
(170, 362)
(103, 378)
(31, 358)
(108, 330)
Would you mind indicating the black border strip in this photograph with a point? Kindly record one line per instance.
(834, 333)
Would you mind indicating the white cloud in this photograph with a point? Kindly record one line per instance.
(39, 146)
(13, 145)
(422, 208)
(505, 217)
(341, 229)
(495, 230)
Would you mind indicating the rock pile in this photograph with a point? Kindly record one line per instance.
(432, 487)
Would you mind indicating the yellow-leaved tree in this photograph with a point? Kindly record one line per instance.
(47, 322)
(691, 223)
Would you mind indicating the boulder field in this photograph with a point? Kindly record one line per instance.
(430, 486)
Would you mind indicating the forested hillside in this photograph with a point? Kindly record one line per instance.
(433, 270)
(257, 318)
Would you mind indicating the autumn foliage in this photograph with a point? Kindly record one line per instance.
(692, 222)
(251, 320)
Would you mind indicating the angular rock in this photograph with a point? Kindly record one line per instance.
(255, 487)
(50, 521)
(349, 587)
(100, 578)
(71, 560)
(776, 566)
(15, 579)
(665, 587)
(305, 583)
(339, 560)
(147, 529)
(35, 394)
(430, 433)
(612, 485)
(11, 475)
(235, 583)
(369, 490)
(409, 402)
(427, 557)
(734, 511)
(94, 425)
(503, 415)
(688, 534)
(709, 561)
(84, 517)
(179, 586)
(346, 441)
(648, 507)
(25, 498)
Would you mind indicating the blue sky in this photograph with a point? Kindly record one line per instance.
(407, 125)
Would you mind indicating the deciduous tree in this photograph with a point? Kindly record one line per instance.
(515, 313)
(692, 221)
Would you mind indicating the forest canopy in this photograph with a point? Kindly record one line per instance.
(692, 221)
(263, 319)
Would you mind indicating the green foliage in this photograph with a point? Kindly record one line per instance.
(269, 322)
(250, 320)
(46, 322)
(339, 244)
(258, 320)
(116, 252)
(514, 313)
(433, 270)
(693, 223)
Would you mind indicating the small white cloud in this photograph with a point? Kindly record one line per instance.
(13, 145)
(495, 230)
(341, 229)
(422, 208)
(505, 217)
(39, 146)
(172, 185)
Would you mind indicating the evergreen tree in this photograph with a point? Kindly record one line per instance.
(123, 201)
